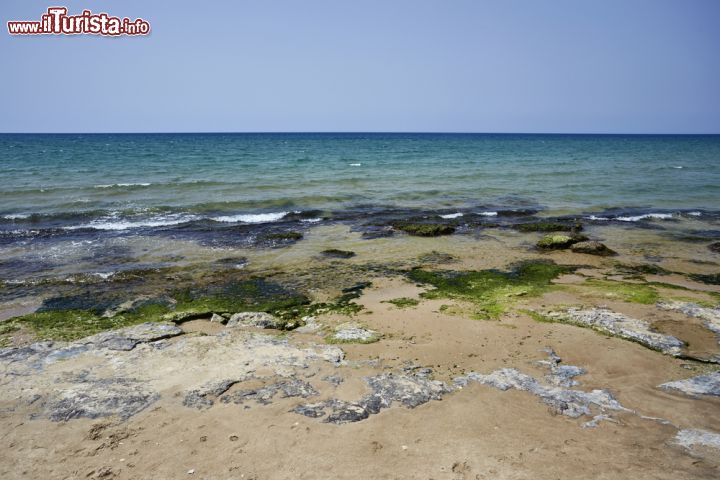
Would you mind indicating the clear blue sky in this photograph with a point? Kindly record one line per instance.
(649, 66)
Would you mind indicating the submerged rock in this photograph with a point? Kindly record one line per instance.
(592, 247)
(708, 384)
(255, 319)
(335, 253)
(714, 247)
(709, 316)
(622, 326)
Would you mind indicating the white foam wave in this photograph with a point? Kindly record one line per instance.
(355, 164)
(678, 167)
(111, 185)
(16, 216)
(311, 220)
(488, 214)
(452, 215)
(695, 214)
(601, 219)
(252, 218)
(636, 218)
(113, 223)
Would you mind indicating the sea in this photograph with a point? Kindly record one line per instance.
(222, 188)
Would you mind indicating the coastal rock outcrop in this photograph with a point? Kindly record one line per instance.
(559, 242)
(708, 384)
(622, 326)
(255, 319)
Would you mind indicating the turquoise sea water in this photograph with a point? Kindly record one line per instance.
(233, 174)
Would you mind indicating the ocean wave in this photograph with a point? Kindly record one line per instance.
(488, 214)
(355, 164)
(311, 220)
(695, 214)
(645, 216)
(111, 185)
(16, 216)
(252, 218)
(452, 215)
(114, 223)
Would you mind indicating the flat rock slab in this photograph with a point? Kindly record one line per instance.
(554, 391)
(693, 438)
(709, 316)
(407, 390)
(128, 338)
(708, 384)
(621, 326)
(255, 319)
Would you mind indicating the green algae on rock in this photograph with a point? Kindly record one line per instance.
(425, 229)
(548, 227)
(642, 293)
(491, 290)
(558, 242)
(593, 248)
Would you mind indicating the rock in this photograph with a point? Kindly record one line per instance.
(100, 398)
(693, 438)
(218, 318)
(622, 326)
(709, 316)
(592, 248)
(335, 253)
(205, 396)
(179, 317)
(425, 229)
(714, 247)
(255, 319)
(353, 333)
(310, 325)
(128, 338)
(558, 242)
(408, 390)
(264, 395)
(572, 403)
(708, 384)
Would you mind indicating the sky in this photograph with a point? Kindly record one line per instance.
(570, 66)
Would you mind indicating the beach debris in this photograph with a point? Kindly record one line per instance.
(592, 247)
(617, 324)
(708, 384)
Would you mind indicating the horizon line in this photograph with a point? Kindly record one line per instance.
(400, 132)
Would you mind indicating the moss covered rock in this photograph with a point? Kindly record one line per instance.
(558, 242)
(426, 229)
(336, 253)
(593, 248)
(549, 227)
